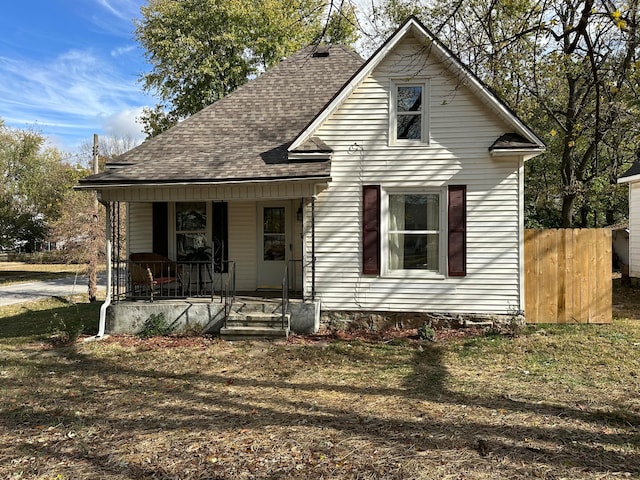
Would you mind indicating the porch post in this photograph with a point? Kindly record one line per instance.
(313, 247)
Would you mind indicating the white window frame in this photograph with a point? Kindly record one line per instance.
(385, 232)
(425, 112)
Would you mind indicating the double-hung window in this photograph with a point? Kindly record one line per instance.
(409, 113)
(414, 231)
(191, 230)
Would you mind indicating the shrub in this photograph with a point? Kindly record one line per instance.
(155, 326)
(64, 333)
(426, 332)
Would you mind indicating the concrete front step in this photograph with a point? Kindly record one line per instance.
(253, 324)
(249, 333)
(258, 320)
(248, 306)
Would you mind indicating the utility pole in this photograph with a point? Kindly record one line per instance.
(92, 268)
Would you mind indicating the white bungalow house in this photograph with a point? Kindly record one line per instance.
(391, 185)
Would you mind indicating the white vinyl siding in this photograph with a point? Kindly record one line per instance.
(634, 229)
(140, 227)
(461, 131)
(242, 243)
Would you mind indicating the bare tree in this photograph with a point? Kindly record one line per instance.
(568, 68)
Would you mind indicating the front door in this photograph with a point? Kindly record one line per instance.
(273, 243)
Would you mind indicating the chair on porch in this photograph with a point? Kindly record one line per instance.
(150, 271)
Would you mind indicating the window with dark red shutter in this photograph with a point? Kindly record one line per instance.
(371, 229)
(457, 234)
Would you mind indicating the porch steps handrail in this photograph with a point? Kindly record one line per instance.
(229, 290)
(284, 306)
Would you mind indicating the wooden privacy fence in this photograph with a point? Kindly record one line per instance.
(567, 276)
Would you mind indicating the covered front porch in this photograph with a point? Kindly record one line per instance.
(186, 253)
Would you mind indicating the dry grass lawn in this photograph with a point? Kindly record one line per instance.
(554, 402)
(14, 272)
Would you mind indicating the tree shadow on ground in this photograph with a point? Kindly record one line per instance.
(39, 324)
(575, 435)
(124, 401)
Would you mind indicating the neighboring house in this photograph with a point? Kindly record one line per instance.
(391, 185)
(620, 246)
(632, 177)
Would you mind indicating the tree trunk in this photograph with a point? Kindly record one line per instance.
(568, 202)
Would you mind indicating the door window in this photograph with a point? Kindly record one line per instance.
(274, 240)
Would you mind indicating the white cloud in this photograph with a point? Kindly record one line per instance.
(71, 86)
(122, 9)
(118, 52)
(75, 83)
(123, 124)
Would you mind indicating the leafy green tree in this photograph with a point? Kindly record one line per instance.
(200, 50)
(33, 181)
(341, 26)
(18, 228)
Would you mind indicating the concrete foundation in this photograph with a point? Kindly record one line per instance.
(196, 317)
(181, 316)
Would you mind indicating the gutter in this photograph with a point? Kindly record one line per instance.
(195, 183)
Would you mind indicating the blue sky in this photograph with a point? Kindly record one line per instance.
(71, 68)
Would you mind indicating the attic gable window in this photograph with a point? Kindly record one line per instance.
(409, 113)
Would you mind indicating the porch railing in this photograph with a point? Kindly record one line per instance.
(149, 280)
(229, 290)
(284, 306)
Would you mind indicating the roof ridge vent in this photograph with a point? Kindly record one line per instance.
(321, 51)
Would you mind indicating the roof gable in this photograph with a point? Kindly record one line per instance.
(412, 26)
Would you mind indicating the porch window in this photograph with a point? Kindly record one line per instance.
(414, 232)
(191, 229)
(408, 113)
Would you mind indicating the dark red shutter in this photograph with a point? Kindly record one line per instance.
(371, 229)
(457, 238)
(220, 237)
(160, 233)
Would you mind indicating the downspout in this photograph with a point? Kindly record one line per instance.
(521, 276)
(107, 301)
(313, 246)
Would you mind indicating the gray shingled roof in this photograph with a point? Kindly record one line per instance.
(245, 135)
(633, 170)
(510, 141)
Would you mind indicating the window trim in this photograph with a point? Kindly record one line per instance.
(425, 112)
(441, 191)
